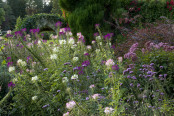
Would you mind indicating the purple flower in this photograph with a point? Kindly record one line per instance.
(113, 47)
(24, 30)
(152, 64)
(138, 85)
(108, 36)
(67, 63)
(128, 76)
(115, 67)
(9, 35)
(34, 31)
(161, 67)
(18, 33)
(58, 90)
(9, 64)
(133, 77)
(81, 72)
(153, 95)
(61, 33)
(131, 72)
(11, 84)
(86, 54)
(96, 34)
(64, 71)
(165, 75)
(46, 106)
(161, 93)
(87, 98)
(135, 102)
(121, 84)
(97, 25)
(85, 63)
(131, 84)
(42, 34)
(45, 69)
(8, 58)
(59, 23)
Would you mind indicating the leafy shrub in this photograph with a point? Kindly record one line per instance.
(40, 21)
(83, 15)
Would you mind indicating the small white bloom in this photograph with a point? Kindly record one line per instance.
(101, 43)
(92, 86)
(93, 42)
(66, 114)
(56, 49)
(97, 51)
(70, 105)
(68, 33)
(108, 110)
(75, 59)
(15, 80)
(35, 78)
(39, 42)
(62, 42)
(9, 32)
(98, 38)
(21, 63)
(89, 47)
(110, 62)
(110, 44)
(71, 41)
(79, 34)
(74, 77)
(34, 98)
(64, 79)
(74, 46)
(11, 69)
(53, 56)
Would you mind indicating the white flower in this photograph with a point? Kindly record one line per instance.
(11, 69)
(64, 80)
(101, 43)
(68, 33)
(75, 59)
(56, 49)
(53, 56)
(74, 46)
(79, 34)
(98, 38)
(15, 80)
(34, 98)
(108, 110)
(89, 47)
(39, 42)
(21, 63)
(120, 59)
(62, 42)
(97, 51)
(70, 105)
(35, 78)
(9, 32)
(93, 42)
(96, 96)
(74, 76)
(110, 62)
(71, 41)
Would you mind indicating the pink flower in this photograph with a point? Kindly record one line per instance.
(110, 62)
(70, 105)
(66, 114)
(92, 86)
(95, 96)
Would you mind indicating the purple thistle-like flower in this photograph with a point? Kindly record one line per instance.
(96, 34)
(18, 33)
(11, 84)
(9, 64)
(161, 93)
(81, 72)
(59, 23)
(108, 36)
(8, 58)
(97, 25)
(24, 30)
(115, 67)
(34, 31)
(85, 63)
(86, 54)
(161, 67)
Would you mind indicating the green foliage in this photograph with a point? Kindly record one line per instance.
(2, 14)
(40, 21)
(83, 15)
(165, 59)
(18, 23)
